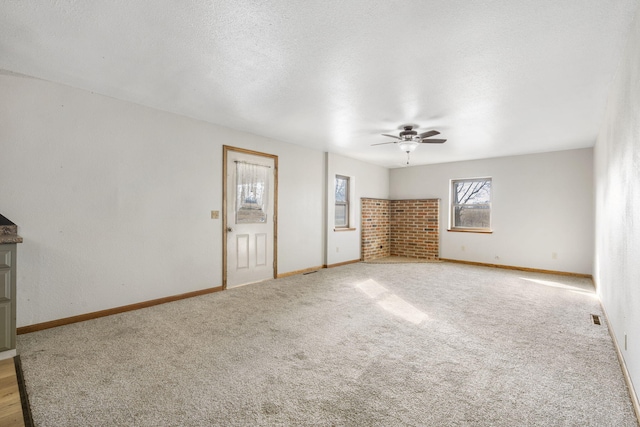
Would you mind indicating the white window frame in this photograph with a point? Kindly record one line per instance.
(452, 206)
(346, 203)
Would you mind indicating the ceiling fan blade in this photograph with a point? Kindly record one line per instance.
(433, 141)
(429, 133)
(391, 136)
(382, 143)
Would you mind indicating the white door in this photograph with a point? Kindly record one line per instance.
(250, 200)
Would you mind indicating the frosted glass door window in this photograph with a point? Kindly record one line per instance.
(252, 194)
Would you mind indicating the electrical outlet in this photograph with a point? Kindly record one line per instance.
(554, 255)
(215, 214)
(337, 249)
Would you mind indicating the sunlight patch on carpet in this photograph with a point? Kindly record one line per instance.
(392, 302)
(372, 288)
(396, 305)
(561, 286)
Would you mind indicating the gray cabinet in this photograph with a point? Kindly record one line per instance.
(7, 297)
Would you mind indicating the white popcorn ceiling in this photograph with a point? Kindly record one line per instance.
(497, 78)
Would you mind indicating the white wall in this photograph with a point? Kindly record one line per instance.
(113, 199)
(617, 201)
(366, 181)
(542, 204)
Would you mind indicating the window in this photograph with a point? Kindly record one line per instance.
(252, 190)
(342, 202)
(471, 204)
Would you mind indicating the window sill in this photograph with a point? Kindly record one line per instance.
(471, 230)
(344, 229)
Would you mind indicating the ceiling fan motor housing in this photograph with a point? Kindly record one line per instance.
(408, 132)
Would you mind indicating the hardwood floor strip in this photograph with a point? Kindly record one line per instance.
(10, 404)
(110, 311)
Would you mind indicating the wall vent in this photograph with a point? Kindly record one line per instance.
(596, 319)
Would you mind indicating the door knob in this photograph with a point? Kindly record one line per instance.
(229, 229)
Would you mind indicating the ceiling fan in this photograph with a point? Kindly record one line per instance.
(408, 139)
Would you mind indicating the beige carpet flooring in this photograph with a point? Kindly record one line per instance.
(424, 344)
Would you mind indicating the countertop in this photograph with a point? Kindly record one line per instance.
(8, 232)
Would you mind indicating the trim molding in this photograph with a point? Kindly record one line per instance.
(8, 354)
(470, 230)
(320, 267)
(512, 267)
(623, 366)
(341, 263)
(305, 270)
(110, 311)
(24, 396)
(122, 309)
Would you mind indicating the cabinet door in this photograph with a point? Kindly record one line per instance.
(7, 297)
(5, 285)
(5, 257)
(6, 335)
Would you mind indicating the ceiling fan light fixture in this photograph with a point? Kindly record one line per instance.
(408, 145)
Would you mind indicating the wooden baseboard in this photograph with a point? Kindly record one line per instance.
(341, 263)
(623, 365)
(102, 313)
(511, 267)
(306, 270)
(110, 311)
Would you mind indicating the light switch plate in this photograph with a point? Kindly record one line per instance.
(215, 214)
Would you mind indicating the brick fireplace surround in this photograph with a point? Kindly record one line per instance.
(407, 228)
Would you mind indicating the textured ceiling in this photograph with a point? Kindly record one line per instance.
(497, 77)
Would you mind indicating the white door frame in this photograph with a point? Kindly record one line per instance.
(225, 150)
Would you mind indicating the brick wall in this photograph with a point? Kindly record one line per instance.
(415, 230)
(375, 228)
(407, 228)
